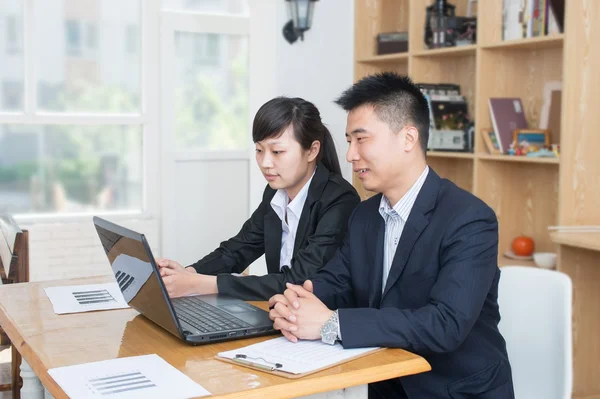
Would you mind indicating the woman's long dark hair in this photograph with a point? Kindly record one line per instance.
(276, 115)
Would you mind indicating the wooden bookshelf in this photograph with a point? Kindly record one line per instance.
(527, 194)
(503, 261)
(509, 158)
(449, 154)
(385, 59)
(553, 41)
(584, 240)
(450, 51)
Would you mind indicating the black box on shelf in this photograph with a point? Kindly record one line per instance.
(392, 42)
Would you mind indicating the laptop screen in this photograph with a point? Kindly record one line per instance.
(140, 284)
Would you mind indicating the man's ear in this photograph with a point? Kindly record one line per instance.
(411, 138)
(315, 147)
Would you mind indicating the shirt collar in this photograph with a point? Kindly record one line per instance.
(404, 206)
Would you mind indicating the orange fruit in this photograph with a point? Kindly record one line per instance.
(523, 246)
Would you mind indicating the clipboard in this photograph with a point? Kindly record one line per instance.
(275, 368)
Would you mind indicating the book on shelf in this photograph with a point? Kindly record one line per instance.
(507, 114)
(439, 88)
(523, 19)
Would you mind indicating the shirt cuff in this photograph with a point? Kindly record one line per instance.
(339, 332)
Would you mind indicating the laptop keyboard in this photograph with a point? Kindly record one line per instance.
(204, 317)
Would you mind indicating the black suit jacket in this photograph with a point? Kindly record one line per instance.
(321, 230)
(440, 300)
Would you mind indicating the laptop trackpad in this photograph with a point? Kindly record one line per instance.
(233, 309)
(240, 309)
(247, 313)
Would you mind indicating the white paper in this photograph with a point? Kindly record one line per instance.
(146, 377)
(295, 358)
(85, 298)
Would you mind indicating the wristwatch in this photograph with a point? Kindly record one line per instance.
(329, 330)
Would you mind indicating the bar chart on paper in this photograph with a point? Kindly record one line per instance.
(118, 383)
(93, 296)
(146, 377)
(85, 298)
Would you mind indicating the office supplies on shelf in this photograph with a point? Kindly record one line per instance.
(148, 376)
(85, 298)
(392, 42)
(292, 360)
(451, 127)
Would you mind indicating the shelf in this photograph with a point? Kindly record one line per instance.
(589, 241)
(449, 51)
(448, 154)
(554, 41)
(384, 59)
(517, 158)
(504, 261)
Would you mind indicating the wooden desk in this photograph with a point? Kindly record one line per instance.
(47, 340)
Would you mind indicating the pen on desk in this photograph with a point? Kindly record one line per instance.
(240, 358)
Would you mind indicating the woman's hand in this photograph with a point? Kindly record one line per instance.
(180, 281)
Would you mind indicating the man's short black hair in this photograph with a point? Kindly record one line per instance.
(396, 100)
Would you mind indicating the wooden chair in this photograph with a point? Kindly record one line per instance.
(14, 268)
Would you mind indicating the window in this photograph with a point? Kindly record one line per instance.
(131, 39)
(94, 81)
(73, 37)
(237, 7)
(12, 70)
(12, 95)
(211, 96)
(77, 141)
(92, 36)
(70, 169)
(13, 38)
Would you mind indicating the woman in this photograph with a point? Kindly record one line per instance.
(301, 221)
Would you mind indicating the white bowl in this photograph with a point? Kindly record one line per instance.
(546, 260)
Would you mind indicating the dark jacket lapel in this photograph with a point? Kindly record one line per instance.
(417, 222)
(315, 190)
(272, 240)
(376, 236)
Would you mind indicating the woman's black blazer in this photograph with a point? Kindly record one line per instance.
(321, 230)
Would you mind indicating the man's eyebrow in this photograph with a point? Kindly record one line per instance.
(356, 131)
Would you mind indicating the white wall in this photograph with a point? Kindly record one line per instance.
(319, 68)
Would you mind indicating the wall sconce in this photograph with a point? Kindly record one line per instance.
(301, 14)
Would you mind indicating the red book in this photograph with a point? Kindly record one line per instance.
(507, 114)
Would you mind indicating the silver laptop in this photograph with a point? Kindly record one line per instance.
(194, 319)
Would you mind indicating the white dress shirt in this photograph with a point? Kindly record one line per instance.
(289, 213)
(395, 219)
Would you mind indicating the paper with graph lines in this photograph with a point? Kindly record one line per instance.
(146, 377)
(85, 298)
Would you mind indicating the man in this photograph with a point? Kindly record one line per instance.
(418, 269)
